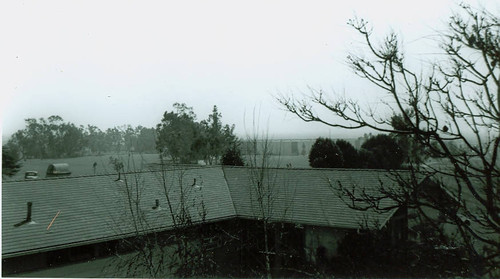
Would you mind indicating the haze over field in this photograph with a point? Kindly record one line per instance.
(115, 63)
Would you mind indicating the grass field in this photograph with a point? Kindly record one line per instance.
(80, 166)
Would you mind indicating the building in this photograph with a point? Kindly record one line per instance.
(53, 226)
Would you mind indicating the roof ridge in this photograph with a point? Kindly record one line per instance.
(195, 167)
(229, 190)
(110, 174)
(315, 169)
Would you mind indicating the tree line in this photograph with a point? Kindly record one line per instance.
(382, 151)
(178, 137)
(54, 138)
(184, 139)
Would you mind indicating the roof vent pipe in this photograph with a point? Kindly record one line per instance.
(197, 186)
(119, 177)
(157, 205)
(28, 217)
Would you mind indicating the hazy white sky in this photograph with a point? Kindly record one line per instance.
(111, 63)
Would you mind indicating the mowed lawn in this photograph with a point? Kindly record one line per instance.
(81, 166)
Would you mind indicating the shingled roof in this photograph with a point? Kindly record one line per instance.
(308, 196)
(93, 209)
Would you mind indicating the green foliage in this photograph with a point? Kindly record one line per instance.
(54, 138)
(10, 162)
(325, 154)
(146, 139)
(232, 156)
(114, 139)
(382, 152)
(349, 153)
(49, 138)
(96, 139)
(184, 139)
(177, 134)
(215, 137)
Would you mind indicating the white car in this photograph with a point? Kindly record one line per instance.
(31, 175)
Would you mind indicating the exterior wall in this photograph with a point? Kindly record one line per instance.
(321, 241)
(54, 263)
(100, 260)
(23, 263)
(88, 269)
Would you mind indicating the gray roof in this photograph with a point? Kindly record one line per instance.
(94, 208)
(308, 196)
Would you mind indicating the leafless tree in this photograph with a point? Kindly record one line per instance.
(263, 181)
(270, 197)
(172, 243)
(456, 101)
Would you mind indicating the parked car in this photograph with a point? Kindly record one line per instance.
(30, 175)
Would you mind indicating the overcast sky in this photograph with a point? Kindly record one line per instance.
(110, 63)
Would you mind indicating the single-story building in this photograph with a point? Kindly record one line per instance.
(50, 226)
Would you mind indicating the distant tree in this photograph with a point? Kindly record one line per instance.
(114, 139)
(184, 139)
(325, 154)
(146, 139)
(95, 139)
(71, 140)
(49, 138)
(10, 162)
(18, 142)
(118, 166)
(232, 156)
(349, 153)
(35, 138)
(177, 133)
(214, 138)
(54, 138)
(382, 152)
(129, 138)
(414, 152)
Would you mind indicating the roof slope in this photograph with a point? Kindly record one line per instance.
(307, 196)
(95, 208)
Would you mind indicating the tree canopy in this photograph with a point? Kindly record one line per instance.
(10, 162)
(349, 153)
(232, 156)
(55, 138)
(325, 154)
(382, 152)
(184, 139)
